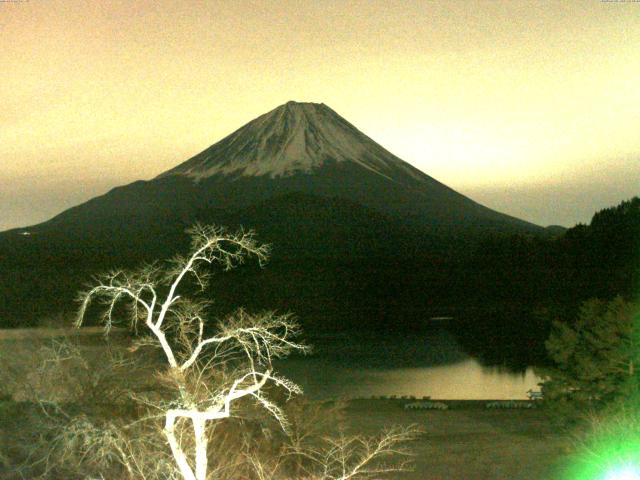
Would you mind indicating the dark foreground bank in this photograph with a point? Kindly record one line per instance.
(469, 441)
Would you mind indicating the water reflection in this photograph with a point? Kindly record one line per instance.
(432, 365)
(467, 380)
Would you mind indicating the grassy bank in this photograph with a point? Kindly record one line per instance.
(465, 442)
(468, 441)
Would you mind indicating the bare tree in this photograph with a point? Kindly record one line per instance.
(209, 375)
(210, 372)
(358, 457)
(342, 457)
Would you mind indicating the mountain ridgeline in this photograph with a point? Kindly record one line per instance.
(359, 236)
(298, 148)
(357, 233)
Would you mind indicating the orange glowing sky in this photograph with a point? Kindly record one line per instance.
(530, 107)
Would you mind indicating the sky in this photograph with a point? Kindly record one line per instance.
(529, 107)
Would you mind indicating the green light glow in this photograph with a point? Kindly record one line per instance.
(625, 472)
(611, 457)
(610, 449)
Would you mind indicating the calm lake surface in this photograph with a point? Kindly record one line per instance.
(431, 363)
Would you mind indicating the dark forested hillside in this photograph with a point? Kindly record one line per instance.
(366, 236)
(518, 284)
(601, 259)
(342, 265)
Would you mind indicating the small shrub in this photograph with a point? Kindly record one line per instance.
(426, 405)
(510, 404)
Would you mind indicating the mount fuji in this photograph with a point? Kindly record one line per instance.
(297, 148)
(293, 138)
(303, 177)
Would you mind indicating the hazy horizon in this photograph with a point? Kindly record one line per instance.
(529, 108)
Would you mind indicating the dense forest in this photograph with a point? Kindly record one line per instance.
(520, 284)
(601, 260)
(501, 286)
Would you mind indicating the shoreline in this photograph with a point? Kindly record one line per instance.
(452, 404)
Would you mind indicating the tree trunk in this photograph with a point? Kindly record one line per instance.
(199, 428)
(176, 449)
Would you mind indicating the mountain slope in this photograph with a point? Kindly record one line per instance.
(308, 147)
(357, 232)
(294, 138)
(297, 147)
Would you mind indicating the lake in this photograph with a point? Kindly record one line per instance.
(430, 363)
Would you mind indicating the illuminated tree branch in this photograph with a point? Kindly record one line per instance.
(178, 325)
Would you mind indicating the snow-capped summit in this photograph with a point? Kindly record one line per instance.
(308, 148)
(296, 153)
(350, 222)
(293, 138)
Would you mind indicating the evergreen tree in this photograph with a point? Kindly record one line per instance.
(596, 359)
